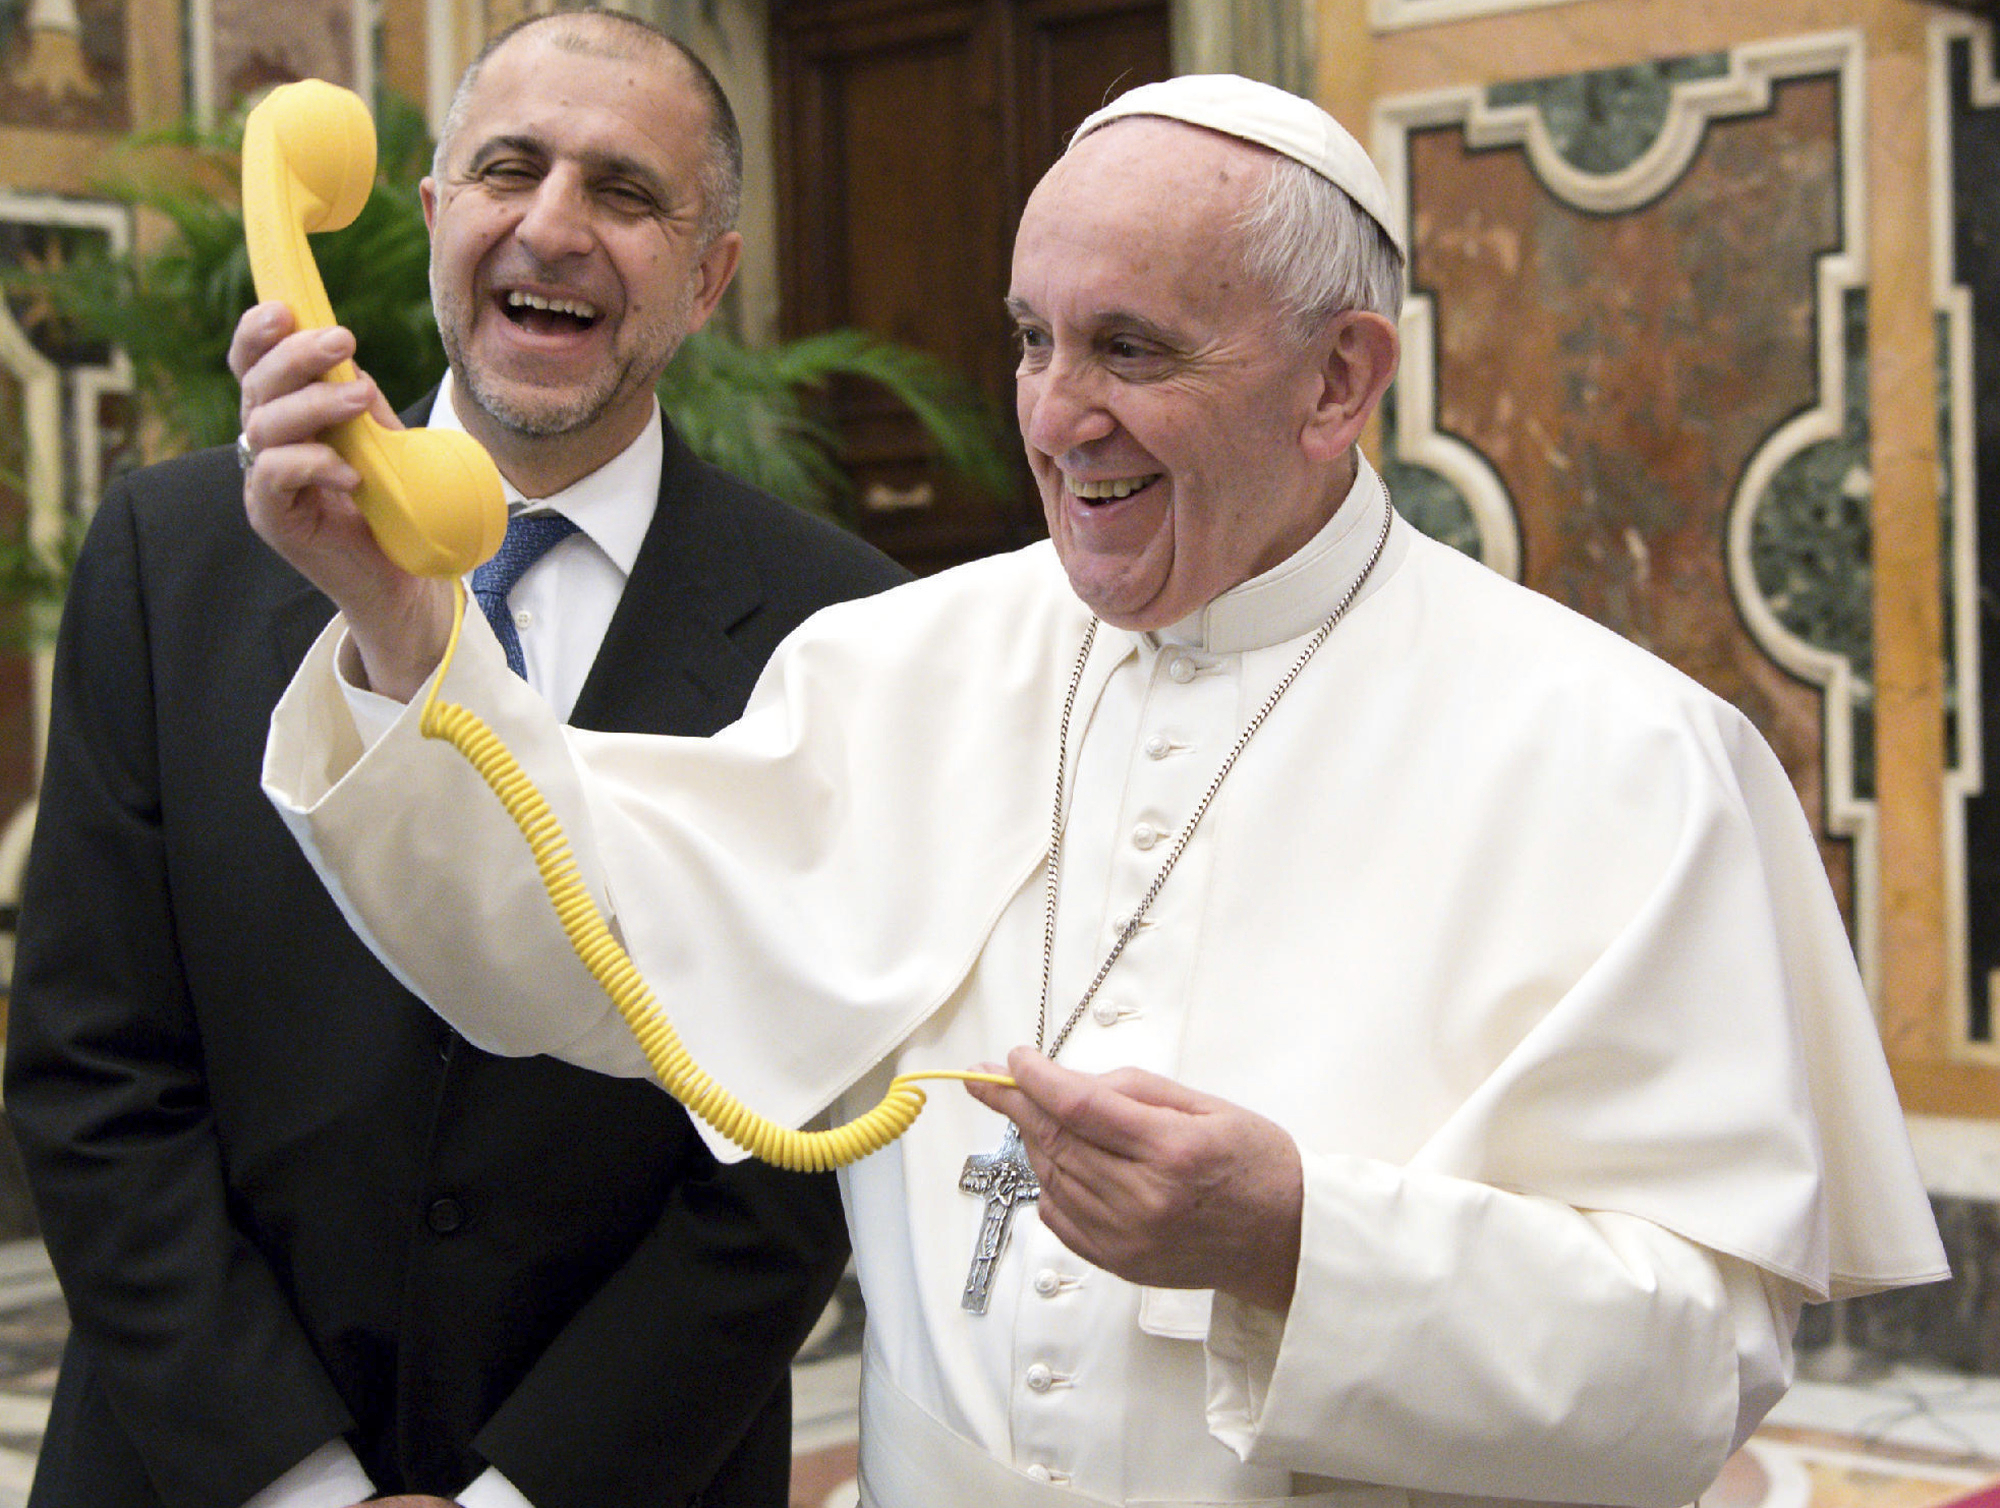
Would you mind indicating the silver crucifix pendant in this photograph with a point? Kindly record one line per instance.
(1006, 1179)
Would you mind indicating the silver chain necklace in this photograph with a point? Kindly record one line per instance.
(1004, 1178)
(1186, 834)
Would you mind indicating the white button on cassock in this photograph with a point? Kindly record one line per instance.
(1039, 1473)
(1047, 1282)
(1182, 669)
(1104, 1013)
(1145, 835)
(1158, 745)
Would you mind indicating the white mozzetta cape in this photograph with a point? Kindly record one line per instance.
(1519, 932)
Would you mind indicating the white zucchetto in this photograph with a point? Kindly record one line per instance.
(1269, 117)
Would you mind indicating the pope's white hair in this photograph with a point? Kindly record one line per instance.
(1316, 250)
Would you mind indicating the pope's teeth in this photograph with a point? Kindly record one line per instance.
(520, 300)
(1113, 489)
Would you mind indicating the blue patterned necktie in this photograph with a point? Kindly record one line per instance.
(529, 538)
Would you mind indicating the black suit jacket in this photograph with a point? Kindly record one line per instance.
(285, 1201)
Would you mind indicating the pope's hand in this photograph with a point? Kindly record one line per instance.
(300, 495)
(1156, 1182)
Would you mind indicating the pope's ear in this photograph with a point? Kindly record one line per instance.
(1360, 355)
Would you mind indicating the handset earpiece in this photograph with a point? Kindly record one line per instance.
(432, 497)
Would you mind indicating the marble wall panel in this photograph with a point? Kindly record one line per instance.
(1966, 101)
(239, 48)
(62, 65)
(1395, 15)
(257, 45)
(70, 425)
(1955, 1325)
(17, 730)
(1631, 375)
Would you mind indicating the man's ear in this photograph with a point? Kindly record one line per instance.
(1360, 355)
(712, 274)
(427, 196)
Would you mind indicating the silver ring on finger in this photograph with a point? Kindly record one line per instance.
(245, 456)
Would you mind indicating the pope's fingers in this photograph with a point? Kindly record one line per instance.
(288, 364)
(302, 417)
(261, 327)
(1038, 1129)
(1099, 1108)
(293, 493)
(1046, 1079)
(288, 476)
(1054, 1083)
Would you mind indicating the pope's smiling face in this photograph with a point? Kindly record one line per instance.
(1164, 398)
(568, 260)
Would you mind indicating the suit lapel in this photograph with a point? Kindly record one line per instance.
(668, 664)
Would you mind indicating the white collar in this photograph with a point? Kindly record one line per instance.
(613, 505)
(1294, 596)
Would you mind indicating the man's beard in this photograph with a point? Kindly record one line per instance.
(544, 418)
(539, 414)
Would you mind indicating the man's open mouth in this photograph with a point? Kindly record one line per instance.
(548, 316)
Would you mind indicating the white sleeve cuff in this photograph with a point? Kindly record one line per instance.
(492, 1490)
(1593, 1357)
(373, 713)
(331, 1477)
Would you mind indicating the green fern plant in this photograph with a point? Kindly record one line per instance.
(760, 411)
(173, 308)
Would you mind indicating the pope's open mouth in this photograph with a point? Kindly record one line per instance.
(1109, 489)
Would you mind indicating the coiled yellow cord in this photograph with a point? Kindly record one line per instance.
(612, 967)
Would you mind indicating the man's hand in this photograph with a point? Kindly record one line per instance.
(300, 495)
(1157, 1183)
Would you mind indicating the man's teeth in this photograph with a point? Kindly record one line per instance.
(572, 307)
(1111, 489)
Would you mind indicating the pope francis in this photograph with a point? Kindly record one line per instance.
(1440, 1071)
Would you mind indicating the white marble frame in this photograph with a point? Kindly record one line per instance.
(50, 446)
(1401, 15)
(203, 104)
(1953, 302)
(1745, 89)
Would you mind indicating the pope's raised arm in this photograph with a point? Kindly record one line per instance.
(300, 496)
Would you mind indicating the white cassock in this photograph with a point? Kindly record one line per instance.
(1519, 932)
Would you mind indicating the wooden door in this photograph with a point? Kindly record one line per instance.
(910, 134)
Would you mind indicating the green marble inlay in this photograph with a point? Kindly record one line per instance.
(1810, 543)
(1423, 497)
(1605, 120)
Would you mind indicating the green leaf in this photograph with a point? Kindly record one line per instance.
(760, 412)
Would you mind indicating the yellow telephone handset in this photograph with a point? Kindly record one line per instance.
(432, 497)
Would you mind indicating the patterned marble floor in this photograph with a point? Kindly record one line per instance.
(1903, 1439)
(32, 1326)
